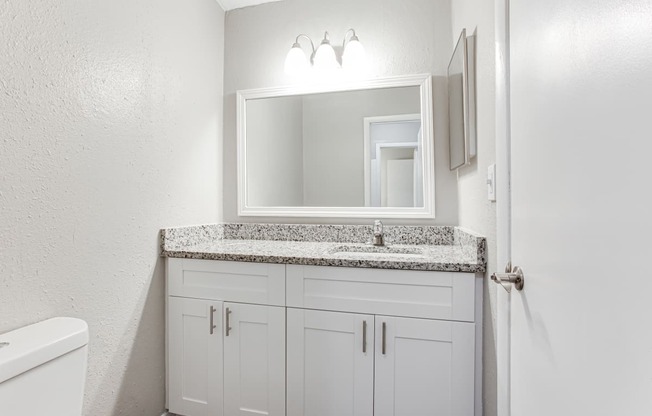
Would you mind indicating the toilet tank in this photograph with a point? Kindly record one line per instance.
(43, 368)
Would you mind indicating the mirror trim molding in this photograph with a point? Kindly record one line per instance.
(423, 81)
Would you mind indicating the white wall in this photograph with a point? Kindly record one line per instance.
(110, 129)
(476, 212)
(399, 37)
(275, 152)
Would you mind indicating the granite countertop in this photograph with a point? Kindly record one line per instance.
(434, 248)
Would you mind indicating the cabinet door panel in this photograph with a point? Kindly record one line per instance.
(195, 357)
(247, 282)
(328, 372)
(427, 368)
(254, 360)
(409, 293)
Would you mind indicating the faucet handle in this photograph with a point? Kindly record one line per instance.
(378, 227)
(379, 239)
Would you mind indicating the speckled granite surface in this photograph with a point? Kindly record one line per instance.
(408, 247)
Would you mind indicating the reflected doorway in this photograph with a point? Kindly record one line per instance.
(393, 174)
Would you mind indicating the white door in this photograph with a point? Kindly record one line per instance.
(254, 360)
(399, 185)
(424, 367)
(581, 166)
(195, 356)
(330, 363)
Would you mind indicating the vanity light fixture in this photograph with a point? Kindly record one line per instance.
(296, 63)
(353, 57)
(324, 57)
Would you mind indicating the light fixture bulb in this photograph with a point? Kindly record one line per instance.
(296, 61)
(325, 58)
(354, 57)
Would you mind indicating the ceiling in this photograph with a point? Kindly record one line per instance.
(237, 4)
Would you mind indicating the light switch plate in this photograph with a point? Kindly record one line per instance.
(491, 182)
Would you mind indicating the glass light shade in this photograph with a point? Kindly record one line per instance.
(354, 57)
(325, 58)
(296, 62)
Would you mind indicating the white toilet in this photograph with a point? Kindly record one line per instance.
(43, 368)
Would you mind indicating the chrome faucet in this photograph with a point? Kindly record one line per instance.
(379, 237)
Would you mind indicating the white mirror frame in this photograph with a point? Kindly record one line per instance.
(423, 81)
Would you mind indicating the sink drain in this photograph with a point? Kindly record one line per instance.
(4, 344)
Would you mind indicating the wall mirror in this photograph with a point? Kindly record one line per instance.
(360, 150)
(461, 102)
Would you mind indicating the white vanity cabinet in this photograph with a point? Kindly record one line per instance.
(405, 352)
(225, 357)
(424, 367)
(254, 360)
(330, 363)
(322, 341)
(195, 364)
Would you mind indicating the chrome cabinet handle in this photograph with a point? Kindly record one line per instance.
(212, 321)
(511, 277)
(228, 321)
(384, 335)
(364, 337)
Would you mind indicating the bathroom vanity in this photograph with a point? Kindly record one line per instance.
(309, 320)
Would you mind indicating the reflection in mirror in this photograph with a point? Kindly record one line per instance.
(308, 150)
(393, 174)
(321, 153)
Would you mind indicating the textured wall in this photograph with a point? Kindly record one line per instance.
(400, 37)
(110, 128)
(476, 212)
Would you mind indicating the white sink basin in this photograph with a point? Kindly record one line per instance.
(369, 251)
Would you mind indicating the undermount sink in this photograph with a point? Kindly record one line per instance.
(368, 250)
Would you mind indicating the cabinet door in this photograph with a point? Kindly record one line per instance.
(254, 360)
(195, 357)
(330, 363)
(424, 367)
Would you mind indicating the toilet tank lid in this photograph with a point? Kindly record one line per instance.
(33, 345)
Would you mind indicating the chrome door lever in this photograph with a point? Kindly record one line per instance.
(511, 277)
